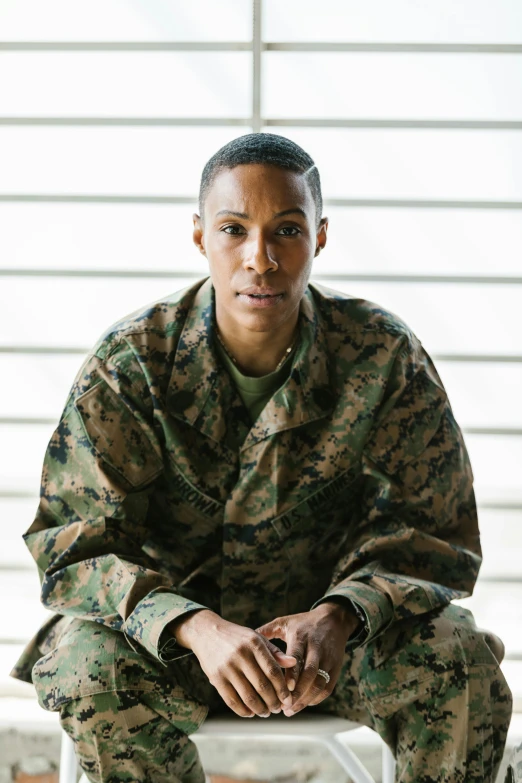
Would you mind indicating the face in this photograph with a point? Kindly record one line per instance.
(259, 233)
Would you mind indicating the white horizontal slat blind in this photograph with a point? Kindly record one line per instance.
(395, 85)
(415, 121)
(447, 318)
(361, 240)
(118, 20)
(126, 84)
(378, 21)
(36, 386)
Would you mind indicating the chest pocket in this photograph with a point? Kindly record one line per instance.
(322, 510)
(120, 440)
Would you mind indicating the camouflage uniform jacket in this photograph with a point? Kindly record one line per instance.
(160, 496)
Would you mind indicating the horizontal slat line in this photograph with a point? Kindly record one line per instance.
(332, 202)
(499, 506)
(17, 569)
(84, 199)
(27, 420)
(125, 46)
(516, 431)
(76, 350)
(422, 203)
(47, 420)
(386, 278)
(18, 494)
(267, 122)
(151, 121)
(479, 358)
(43, 349)
(117, 273)
(373, 46)
(12, 642)
(418, 124)
(172, 274)
(232, 46)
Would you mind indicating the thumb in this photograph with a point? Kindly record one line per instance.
(275, 629)
(285, 661)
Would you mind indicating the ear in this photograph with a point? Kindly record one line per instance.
(320, 240)
(198, 233)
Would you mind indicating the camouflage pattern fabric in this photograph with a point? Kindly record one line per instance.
(430, 686)
(159, 496)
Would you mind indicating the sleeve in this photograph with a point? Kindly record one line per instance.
(100, 468)
(414, 545)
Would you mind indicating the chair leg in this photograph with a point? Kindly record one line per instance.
(388, 765)
(348, 760)
(68, 763)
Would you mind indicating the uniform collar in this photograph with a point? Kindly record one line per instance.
(202, 393)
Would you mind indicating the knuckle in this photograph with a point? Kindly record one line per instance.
(311, 668)
(251, 699)
(263, 685)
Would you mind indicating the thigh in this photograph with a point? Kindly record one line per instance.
(90, 659)
(131, 735)
(408, 660)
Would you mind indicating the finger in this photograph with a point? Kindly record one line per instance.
(284, 660)
(276, 629)
(233, 700)
(270, 669)
(295, 650)
(324, 689)
(317, 693)
(307, 686)
(261, 704)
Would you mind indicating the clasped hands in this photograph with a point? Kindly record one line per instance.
(252, 676)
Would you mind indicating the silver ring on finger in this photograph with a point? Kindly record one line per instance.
(324, 674)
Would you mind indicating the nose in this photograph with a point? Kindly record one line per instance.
(258, 255)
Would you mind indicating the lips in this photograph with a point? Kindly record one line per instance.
(257, 296)
(259, 291)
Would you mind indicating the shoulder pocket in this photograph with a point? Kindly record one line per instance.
(117, 436)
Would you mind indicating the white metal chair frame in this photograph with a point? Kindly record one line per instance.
(323, 729)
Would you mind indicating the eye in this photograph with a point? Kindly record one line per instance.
(288, 231)
(233, 230)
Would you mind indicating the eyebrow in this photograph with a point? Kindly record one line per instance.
(244, 216)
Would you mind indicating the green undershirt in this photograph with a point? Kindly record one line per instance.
(255, 392)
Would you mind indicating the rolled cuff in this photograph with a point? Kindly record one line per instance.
(375, 607)
(151, 616)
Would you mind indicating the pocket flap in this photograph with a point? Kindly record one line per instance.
(117, 436)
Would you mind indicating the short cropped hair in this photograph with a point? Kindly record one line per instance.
(265, 148)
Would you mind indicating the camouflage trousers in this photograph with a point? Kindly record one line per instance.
(430, 686)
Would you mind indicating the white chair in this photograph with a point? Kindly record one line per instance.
(322, 729)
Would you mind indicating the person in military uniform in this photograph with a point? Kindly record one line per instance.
(257, 500)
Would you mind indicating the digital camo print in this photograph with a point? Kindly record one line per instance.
(430, 686)
(159, 496)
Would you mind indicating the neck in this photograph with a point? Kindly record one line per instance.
(257, 353)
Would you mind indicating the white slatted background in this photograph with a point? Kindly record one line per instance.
(413, 112)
